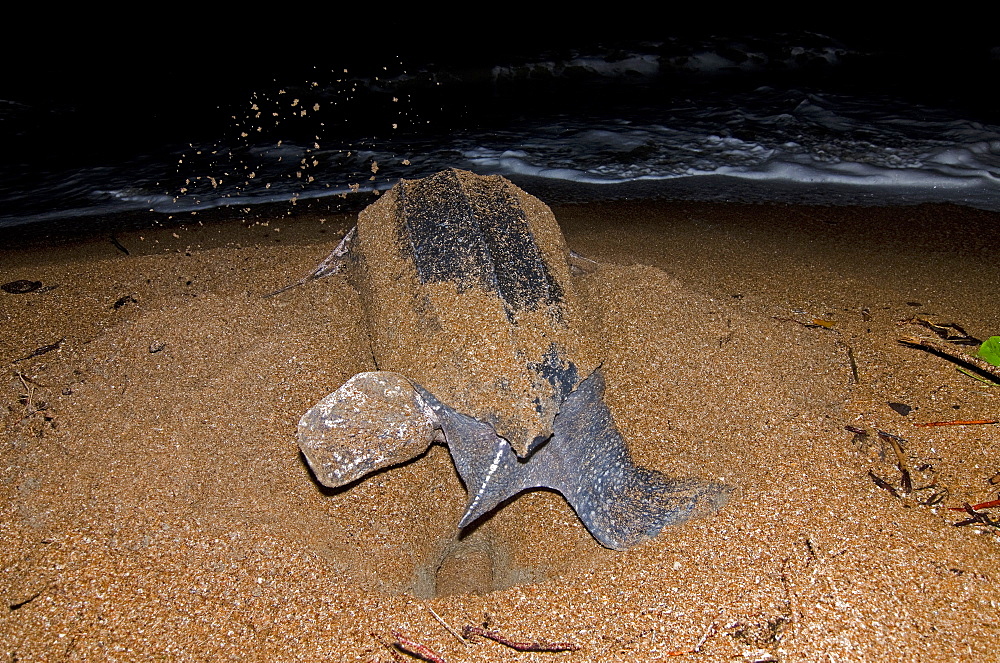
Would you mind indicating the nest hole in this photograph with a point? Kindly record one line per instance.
(408, 542)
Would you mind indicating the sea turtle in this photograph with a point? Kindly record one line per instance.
(481, 343)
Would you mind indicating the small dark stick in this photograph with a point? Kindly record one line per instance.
(392, 650)
(955, 355)
(417, 649)
(895, 442)
(976, 517)
(882, 483)
(959, 422)
(853, 362)
(976, 507)
(697, 648)
(520, 646)
(42, 350)
(905, 481)
(946, 331)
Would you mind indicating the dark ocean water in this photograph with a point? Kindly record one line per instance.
(800, 116)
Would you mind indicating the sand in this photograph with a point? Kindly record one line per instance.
(155, 506)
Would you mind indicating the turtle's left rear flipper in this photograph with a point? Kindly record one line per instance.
(332, 264)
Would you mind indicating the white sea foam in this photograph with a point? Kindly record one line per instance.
(778, 141)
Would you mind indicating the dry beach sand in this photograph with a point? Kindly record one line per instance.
(154, 506)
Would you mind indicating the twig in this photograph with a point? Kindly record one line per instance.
(954, 354)
(29, 389)
(883, 484)
(42, 350)
(947, 331)
(709, 632)
(976, 517)
(976, 507)
(392, 650)
(905, 482)
(793, 609)
(446, 625)
(539, 646)
(852, 362)
(814, 323)
(959, 422)
(417, 649)
(895, 442)
(17, 605)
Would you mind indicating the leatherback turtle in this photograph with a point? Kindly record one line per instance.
(478, 338)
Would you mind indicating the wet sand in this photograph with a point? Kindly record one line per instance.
(155, 506)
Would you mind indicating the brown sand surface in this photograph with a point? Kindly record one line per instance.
(154, 506)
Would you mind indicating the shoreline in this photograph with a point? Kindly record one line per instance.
(154, 502)
(691, 190)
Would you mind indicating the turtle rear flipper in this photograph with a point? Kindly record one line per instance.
(587, 460)
(619, 502)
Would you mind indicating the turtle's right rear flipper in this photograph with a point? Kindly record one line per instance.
(619, 502)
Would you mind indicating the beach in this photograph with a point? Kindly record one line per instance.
(155, 505)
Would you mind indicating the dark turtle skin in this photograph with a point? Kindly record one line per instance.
(481, 343)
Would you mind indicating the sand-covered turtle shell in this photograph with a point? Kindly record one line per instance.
(467, 289)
